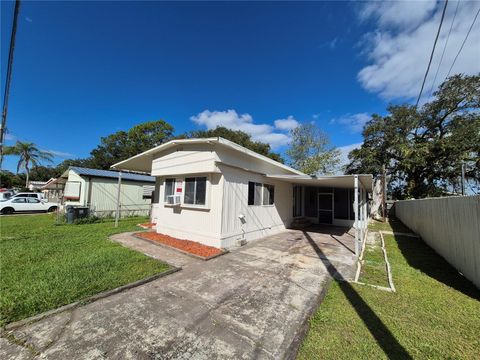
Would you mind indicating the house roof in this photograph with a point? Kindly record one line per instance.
(338, 181)
(108, 174)
(143, 162)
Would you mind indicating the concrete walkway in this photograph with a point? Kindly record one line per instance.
(249, 304)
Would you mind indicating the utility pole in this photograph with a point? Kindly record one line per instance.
(8, 79)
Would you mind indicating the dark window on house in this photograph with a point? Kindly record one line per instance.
(258, 194)
(195, 190)
(255, 193)
(201, 190)
(311, 205)
(251, 193)
(341, 204)
(268, 194)
(169, 188)
(297, 201)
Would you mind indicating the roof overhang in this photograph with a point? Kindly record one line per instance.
(143, 162)
(338, 181)
(54, 184)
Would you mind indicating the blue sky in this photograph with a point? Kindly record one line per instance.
(83, 70)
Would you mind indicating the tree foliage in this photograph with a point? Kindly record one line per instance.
(310, 151)
(9, 179)
(423, 148)
(124, 144)
(43, 173)
(29, 155)
(237, 136)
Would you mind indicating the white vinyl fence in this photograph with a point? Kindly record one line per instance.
(451, 226)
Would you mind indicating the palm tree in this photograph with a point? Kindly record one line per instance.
(29, 155)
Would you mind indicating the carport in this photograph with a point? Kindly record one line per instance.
(332, 200)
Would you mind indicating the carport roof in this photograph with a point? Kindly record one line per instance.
(338, 181)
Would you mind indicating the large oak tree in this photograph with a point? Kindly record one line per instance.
(423, 148)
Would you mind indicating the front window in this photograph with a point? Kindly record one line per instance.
(169, 188)
(18, 200)
(268, 194)
(195, 190)
(260, 194)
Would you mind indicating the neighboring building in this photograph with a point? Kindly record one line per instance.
(221, 194)
(36, 185)
(98, 190)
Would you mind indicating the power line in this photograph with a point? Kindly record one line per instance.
(8, 79)
(433, 51)
(464, 41)
(444, 48)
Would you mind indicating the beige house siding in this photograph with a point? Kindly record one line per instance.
(228, 173)
(189, 159)
(104, 197)
(74, 177)
(261, 220)
(198, 223)
(100, 194)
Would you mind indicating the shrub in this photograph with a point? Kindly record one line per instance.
(88, 220)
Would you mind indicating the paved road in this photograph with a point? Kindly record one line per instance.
(248, 304)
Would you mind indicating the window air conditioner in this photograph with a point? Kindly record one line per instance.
(174, 199)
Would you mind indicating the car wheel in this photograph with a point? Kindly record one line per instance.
(7, 211)
(52, 208)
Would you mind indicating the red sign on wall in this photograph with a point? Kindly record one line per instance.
(179, 186)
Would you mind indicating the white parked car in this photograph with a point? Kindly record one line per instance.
(38, 196)
(26, 204)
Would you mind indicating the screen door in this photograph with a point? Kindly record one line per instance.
(325, 208)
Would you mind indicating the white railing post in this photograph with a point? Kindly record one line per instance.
(355, 209)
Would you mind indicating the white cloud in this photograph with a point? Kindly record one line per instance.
(355, 122)
(286, 124)
(400, 46)
(401, 14)
(10, 137)
(28, 19)
(345, 150)
(59, 153)
(244, 122)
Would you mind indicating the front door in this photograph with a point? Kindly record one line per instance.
(325, 208)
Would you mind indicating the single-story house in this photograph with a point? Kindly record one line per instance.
(221, 194)
(36, 185)
(98, 190)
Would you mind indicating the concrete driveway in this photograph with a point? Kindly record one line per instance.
(252, 303)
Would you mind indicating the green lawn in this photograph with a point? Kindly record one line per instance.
(43, 266)
(374, 268)
(435, 313)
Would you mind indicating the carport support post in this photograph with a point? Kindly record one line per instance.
(355, 208)
(117, 214)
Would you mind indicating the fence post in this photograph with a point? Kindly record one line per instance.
(117, 214)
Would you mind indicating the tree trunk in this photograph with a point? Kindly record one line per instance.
(377, 199)
(27, 171)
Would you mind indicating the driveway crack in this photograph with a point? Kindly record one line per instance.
(10, 337)
(60, 333)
